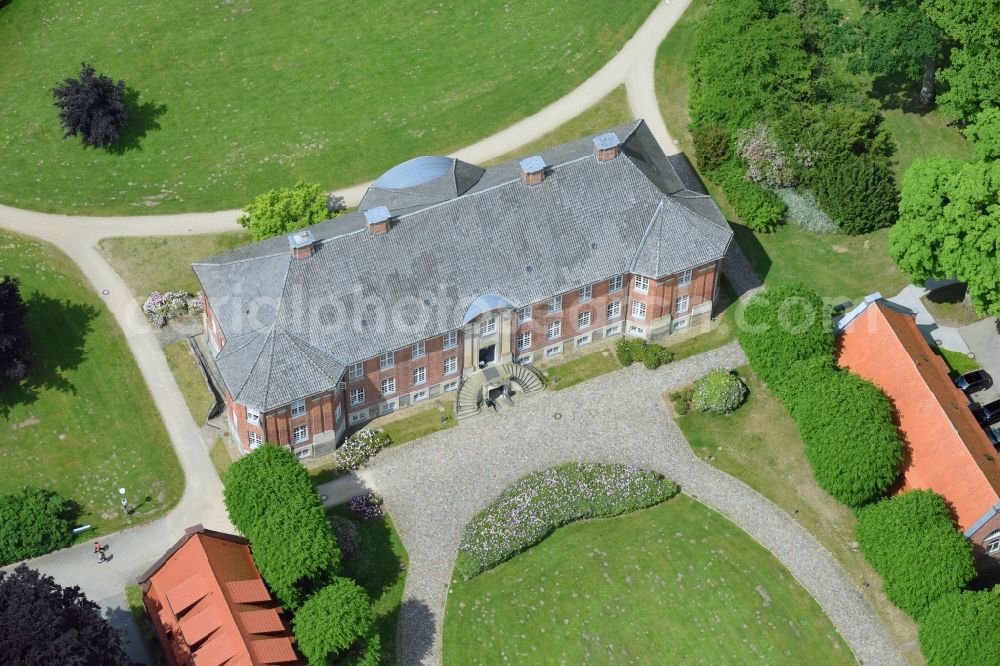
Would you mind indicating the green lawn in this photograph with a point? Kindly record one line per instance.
(133, 597)
(957, 361)
(721, 335)
(760, 445)
(379, 566)
(83, 423)
(948, 307)
(677, 579)
(582, 368)
(188, 375)
(610, 111)
(237, 97)
(163, 263)
(221, 459)
(671, 74)
(422, 423)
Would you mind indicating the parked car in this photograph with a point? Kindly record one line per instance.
(989, 413)
(977, 380)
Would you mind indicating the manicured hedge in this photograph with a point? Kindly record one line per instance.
(530, 509)
(962, 628)
(911, 541)
(632, 350)
(781, 326)
(719, 391)
(271, 500)
(359, 447)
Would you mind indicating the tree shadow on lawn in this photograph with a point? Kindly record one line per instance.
(898, 92)
(142, 119)
(58, 331)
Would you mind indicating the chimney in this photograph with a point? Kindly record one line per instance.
(302, 243)
(606, 146)
(379, 220)
(533, 170)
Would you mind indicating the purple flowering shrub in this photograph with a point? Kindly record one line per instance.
(368, 506)
(160, 308)
(347, 534)
(359, 447)
(535, 505)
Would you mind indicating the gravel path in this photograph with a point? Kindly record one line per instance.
(434, 486)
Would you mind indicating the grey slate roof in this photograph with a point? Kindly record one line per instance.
(292, 325)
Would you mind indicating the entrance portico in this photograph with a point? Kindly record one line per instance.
(487, 331)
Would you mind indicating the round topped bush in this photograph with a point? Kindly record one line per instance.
(719, 391)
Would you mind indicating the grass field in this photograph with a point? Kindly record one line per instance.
(221, 460)
(948, 307)
(83, 423)
(133, 597)
(185, 368)
(379, 566)
(237, 97)
(163, 263)
(957, 361)
(421, 423)
(677, 580)
(582, 368)
(760, 445)
(610, 111)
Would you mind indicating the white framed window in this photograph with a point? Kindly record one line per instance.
(523, 340)
(488, 326)
(356, 371)
(358, 417)
(450, 339)
(612, 330)
(253, 416)
(254, 439)
(636, 330)
(388, 386)
(524, 314)
(298, 408)
(555, 303)
(553, 351)
(614, 310)
(419, 350)
(450, 365)
(554, 329)
(583, 340)
(679, 324)
(992, 543)
(524, 359)
(304, 452)
(339, 413)
(387, 407)
(451, 386)
(638, 309)
(386, 360)
(419, 375)
(586, 293)
(615, 284)
(357, 396)
(583, 320)
(685, 278)
(419, 395)
(300, 434)
(641, 284)
(681, 304)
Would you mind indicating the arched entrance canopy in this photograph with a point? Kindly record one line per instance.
(485, 303)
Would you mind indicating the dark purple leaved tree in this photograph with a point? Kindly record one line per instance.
(92, 106)
(15, 345)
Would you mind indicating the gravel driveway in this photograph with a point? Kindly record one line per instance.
(433, 487)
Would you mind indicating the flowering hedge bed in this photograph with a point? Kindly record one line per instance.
(160, 308)
(530, 509)
(359, 447)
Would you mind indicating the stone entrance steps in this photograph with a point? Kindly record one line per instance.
(524, 379)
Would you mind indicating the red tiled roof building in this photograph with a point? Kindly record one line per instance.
(210, 606)
(945, 448)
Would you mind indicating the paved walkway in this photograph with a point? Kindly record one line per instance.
(434, 486)
(947, 337)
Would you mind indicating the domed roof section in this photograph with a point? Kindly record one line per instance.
(412, 173)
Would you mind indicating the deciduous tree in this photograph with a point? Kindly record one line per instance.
(45, 623)
(949, 226)
(92, 106)
(911, 541)
(337, 621)
(15, 345)
(285, 209)
(32, 522)
(962, 628)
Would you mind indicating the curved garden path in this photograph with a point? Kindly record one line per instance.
(434, 486)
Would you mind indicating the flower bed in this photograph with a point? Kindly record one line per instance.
(367, 506)
(535, 505)
(160, 308)
(359, 447)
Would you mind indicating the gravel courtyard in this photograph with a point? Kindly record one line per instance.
(433, 487)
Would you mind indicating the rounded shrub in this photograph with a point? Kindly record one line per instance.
(359, 447)
(629, 350)
(759, 208)
(33, 521)
(711, 146)
(911, 541)
(337, 621)
(962, 628)
(719, 391)
(654, 355)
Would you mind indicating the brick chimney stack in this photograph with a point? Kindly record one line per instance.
(379, 220)
(302, 243)
(533, 170)
(606, 147)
